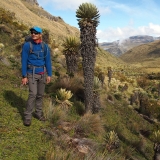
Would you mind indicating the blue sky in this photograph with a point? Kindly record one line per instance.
(119, 19)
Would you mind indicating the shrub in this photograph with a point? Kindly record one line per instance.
(1, 46)
(143, 82)
(112, 140)
(80, 107)
(5, 29)
(121, 77)
(118, 96)
(89, 124)
(149, 107)
(54, 114)
(96, 84)
(155, 136)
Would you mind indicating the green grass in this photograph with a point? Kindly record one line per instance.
(30, 143)
(18, 142)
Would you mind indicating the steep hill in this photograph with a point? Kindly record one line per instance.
(31, 14)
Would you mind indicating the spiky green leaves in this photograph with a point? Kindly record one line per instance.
(87, 13)
(62, 98)
(112, 140)
(96, 84)
(155, 136)
(71, 45)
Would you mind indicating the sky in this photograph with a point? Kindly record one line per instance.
(119, 19)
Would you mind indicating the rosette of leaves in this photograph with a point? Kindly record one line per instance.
(1, 46)
(96, 98)
(1, 50)
(112, 140)
(96, 84)
(156, 136)
(62, 98)
(71, 46)
(88, 13)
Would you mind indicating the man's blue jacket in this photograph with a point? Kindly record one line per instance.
(39, 58)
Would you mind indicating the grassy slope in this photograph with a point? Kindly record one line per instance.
(17, 142)
(26, 143)
(105, 59)
(145, 56)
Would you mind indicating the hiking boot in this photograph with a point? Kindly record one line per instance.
(27, 122)
(40, 118)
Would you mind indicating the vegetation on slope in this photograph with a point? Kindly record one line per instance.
(35, 15)
(123, 129)
(146, 56)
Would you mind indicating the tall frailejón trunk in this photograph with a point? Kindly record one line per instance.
(88, 19)
(88, 52)
(71, 61)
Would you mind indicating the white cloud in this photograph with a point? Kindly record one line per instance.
(155, 28)
(113, 34)
(113, 14)
(64, 5)
(104, 10)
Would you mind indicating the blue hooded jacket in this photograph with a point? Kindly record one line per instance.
(38, 58)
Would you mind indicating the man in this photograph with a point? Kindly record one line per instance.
(36, 63)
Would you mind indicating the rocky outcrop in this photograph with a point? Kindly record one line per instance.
(41, 12)
(32, 1)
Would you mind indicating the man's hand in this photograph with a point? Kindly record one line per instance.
(48, 79)
(24, 81)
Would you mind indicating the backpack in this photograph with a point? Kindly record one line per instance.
(43, 45)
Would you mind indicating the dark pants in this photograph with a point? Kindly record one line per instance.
(36, 92)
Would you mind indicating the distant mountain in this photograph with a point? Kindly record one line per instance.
(146, 55)
(119, 47)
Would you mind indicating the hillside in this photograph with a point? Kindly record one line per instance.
(128, 116)
(145, 55)
(119, 47)
(31, 15)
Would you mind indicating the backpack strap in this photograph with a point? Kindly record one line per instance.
(30, 46)
(42, 45)
(44, 48)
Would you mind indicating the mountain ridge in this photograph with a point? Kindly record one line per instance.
(146, 56)
(119, 47)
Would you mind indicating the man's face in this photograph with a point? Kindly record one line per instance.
(35, 35)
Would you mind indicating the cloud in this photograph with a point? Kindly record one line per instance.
(155, 28)
(113, 34)
(118, 20)
(139, 8)
(65, 5)
(104, 10)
